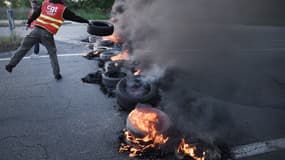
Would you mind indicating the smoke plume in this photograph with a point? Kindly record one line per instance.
(201, 43)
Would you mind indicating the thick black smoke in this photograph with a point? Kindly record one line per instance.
(203, 43)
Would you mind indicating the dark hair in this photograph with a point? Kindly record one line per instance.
(35, 1)
(56, 1)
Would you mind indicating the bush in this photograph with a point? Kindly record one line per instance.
(90, 4)
(89, 9)
(93, 14)
(9, 43)
(19, 13)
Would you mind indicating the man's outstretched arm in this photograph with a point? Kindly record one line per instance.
(34, 16)
(69, 15)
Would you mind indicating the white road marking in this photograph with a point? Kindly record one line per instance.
(47, 56)
(258, 148)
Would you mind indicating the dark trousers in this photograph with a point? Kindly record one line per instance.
(37, 48)
(38, 35)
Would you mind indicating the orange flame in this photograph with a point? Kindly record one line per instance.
(114, 38)
(138, 72)
(189, 150)
(145, 122)
(122, 56)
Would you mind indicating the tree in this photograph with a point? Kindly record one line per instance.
(90, 4)
(76, 4)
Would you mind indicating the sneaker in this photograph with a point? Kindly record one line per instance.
(9, 68)
(58, 76)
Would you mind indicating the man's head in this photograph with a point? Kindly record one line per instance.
(57, 1)
(34, 4)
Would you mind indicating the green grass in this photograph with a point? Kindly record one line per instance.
(97, 13)
(9, 43)
(19, 13)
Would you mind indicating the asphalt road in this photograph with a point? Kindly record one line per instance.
(44, 119)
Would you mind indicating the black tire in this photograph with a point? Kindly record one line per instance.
(106, 43)
(100, 28)
(128, 102)
(93, 78)
(107, 54)
(110, 81)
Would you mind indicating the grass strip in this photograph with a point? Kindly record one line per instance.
(9, 43)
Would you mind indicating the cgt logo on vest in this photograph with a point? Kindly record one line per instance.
(51, 10)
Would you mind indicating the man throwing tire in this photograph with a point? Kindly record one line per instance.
(48, 19)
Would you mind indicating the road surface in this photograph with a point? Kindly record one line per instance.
(45, 119)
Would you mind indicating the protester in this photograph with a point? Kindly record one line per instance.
(48, 19)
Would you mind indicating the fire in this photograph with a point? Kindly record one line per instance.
(188, 150)
(122, 56)
(146, 122)
(114, 38)
(138, 72)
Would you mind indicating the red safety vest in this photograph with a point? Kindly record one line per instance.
(51, 17)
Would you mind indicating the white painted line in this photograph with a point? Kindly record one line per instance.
(47, 56)
(5, 59)
(258, 148)
(262, 50)
(70, 41)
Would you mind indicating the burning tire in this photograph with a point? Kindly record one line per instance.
(100, 28)
(110, 79)
(146, 132)
(133, 90)
(162, 121)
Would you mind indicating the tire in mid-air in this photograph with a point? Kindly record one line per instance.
(100, 28)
